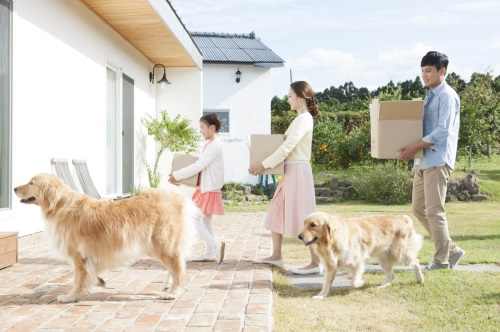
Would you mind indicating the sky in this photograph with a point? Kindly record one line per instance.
(368, 42)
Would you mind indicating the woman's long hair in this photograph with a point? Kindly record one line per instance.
(303, 89)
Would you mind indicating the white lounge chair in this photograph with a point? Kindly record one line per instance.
(63, 172)
(83, 174)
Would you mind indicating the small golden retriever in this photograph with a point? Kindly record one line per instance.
(348, 243)
(98, 235)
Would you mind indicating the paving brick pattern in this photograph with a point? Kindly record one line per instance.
(233, 296)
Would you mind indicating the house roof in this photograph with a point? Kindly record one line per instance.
(235, 48)
(151, 26)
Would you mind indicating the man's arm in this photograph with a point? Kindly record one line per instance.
(408, 151)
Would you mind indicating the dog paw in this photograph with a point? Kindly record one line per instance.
(67, 298)
(384, 285)
(318, 297)
(358, 283)
(167, 296)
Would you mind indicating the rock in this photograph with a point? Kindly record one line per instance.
(463, 196)
(471, 187)
(479, 198)
(472, 177)
(327, 192)
(321, 199)
(334, 183)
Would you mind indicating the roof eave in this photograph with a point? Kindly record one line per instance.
(152, 27)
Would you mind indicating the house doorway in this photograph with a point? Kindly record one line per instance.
(119, 132)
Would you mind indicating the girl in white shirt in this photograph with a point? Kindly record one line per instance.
(294, 198)
(208, 196)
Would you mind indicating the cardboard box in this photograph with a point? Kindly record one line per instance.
(180, 161)
(8, 249)
(264, 145)
(395, 124)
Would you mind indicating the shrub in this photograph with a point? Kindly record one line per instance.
(335, 149)
(233, 191)
(169, 134)
(384, 183)
(328, 145)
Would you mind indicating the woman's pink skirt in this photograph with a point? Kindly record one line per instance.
(293, 200)
(209, 202)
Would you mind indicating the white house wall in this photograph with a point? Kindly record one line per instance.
(60, 52)
(249, 104)
(184, 97)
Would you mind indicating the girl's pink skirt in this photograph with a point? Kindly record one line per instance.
(209, 202)
(293, 200)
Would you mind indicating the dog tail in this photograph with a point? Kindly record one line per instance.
(416, 240)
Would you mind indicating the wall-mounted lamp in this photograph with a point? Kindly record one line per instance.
(238, 76)
(163, 81)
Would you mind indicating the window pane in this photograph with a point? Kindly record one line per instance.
(224, 116)
(5, 103)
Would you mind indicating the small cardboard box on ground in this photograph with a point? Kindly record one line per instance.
(264, 145)
(180, 161)
(8, 249)
(395, 124)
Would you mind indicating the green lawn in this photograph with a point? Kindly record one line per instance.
(447, 301)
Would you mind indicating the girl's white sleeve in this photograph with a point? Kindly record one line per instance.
(211, 152)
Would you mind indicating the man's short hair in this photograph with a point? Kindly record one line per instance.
(434, 58)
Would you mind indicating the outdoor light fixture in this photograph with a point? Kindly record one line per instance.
(163, 81)
(238, 76)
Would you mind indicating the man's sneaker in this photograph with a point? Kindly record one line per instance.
(204, 258)
(455, 258)
(435, 266)
(219, 251)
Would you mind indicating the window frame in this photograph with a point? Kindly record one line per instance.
(6, 126)
(225, 115)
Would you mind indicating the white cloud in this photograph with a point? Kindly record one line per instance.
(366, 42)
(479, 6)
(371, 72)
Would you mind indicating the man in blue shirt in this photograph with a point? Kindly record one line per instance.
(441, 123)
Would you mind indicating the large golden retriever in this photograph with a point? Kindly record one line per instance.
(98, 235)
(348, 243)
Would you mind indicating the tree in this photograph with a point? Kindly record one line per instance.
(456, 82)
(412, 89)
(174, 135)
(279, 106)
(386, 88)
(479, 114)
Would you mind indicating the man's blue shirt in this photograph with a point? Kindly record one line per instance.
(441, 125)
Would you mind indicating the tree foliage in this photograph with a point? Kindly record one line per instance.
(342, 130)
(174, 135)
(479, 123)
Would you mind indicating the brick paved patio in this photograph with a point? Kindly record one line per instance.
(233, 296)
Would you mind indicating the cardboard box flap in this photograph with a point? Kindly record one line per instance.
(401, 110)
(397, 110)
(394, 124)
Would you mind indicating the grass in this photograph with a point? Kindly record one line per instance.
(447, 301)
(488, 172)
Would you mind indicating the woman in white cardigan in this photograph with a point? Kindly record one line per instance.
(294, 198)
(208, 196)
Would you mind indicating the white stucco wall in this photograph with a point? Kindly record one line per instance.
(60, 52)
(249, 105)
(183, 97)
